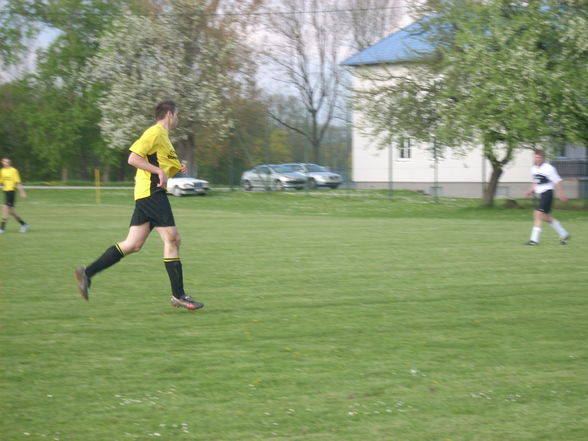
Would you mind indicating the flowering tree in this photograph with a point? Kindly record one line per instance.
(56, 114)
(179, 53)
(505, 74)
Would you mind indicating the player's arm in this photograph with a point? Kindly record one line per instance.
(21, 190)
(139, 162)
(560, 192)
(530, 191)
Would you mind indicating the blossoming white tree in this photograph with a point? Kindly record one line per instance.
(504, 75)
(175, 54)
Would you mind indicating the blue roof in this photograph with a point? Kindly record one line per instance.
(406, 44)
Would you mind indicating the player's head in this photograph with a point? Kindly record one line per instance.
(167, 109)
(538, 157)
(6, 162)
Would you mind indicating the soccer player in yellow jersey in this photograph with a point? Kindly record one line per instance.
(10, 181)
(155, 160)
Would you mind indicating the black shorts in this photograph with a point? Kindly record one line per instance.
(545, 201)
(10, 198)
(154, 209)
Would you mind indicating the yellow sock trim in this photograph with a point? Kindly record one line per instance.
(120, 250)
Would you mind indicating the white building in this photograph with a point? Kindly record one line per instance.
(412, 166)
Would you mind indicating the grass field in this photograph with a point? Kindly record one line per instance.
(330, 316)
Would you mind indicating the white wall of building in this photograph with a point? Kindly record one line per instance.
(456, 173)
(461, 175)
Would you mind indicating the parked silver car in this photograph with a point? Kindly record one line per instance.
(182, 184)
(274, 177)
(317, 175)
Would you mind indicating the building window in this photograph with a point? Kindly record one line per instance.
(404, 148)
(560, 150)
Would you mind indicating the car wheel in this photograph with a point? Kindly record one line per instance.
(311, 184)
(246, 185)
(176, 191)
(278, 185)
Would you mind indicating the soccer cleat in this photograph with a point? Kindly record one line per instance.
(532, 243)
(83, 282)
(1, 231)
(186, 302)
(24, 228)
(564, 240)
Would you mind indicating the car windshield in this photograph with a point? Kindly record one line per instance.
(281, 169)
(182, 175)
(315, 168)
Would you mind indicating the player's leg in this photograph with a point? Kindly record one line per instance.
(564, 236)
(173, 265)
(134, 242)
(9, 197)
(171, 258)
(543, 208)
(537, 225)
(4, 218)
(23, 225)
(171, 241)
(136, 238)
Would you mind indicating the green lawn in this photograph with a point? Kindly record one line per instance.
(330, 316)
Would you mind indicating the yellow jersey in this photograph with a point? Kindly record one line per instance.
(9, 178)
(154, 145)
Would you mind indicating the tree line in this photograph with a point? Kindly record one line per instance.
(91, 90)
(506, 74)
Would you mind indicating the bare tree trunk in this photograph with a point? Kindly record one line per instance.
(316, 153)
(490, 191)
(491, 153)
(186, 150)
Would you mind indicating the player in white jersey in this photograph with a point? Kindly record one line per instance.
(545, 180)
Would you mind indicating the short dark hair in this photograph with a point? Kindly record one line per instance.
(163, 107)
(539, 152)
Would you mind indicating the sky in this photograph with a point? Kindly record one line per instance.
(43, 40)
(266, 76)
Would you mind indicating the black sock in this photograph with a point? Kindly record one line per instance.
(20, 221)
(3, 224)
(176, 277)
(111, 256)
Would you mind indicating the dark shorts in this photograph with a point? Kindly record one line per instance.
(10, 198)
(154, 209)
(545, 201)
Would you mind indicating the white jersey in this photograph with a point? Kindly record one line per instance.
(544, 177)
